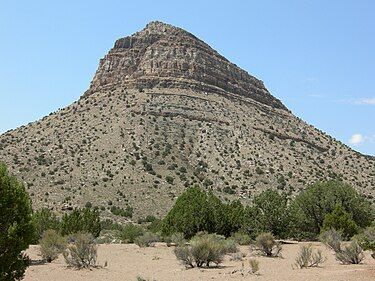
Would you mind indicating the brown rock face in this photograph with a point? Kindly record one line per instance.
(165, 56)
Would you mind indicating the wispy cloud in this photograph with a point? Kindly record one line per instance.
(359, 101)
(370, 101)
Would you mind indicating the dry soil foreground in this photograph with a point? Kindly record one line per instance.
(127, 262)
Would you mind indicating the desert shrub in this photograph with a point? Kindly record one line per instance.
(130, 232)
(308, 258)
(148, 239)
(241, 238)
(203, 250)
(17, 230)
(81, 220)
(45, 219)
(341, 221)
(254, 266)
(332, 239)
(51, 245)
(350, 254)
(366, 239)
(269, 213)
(183, 254)
(310, 207)
(81, 252)
(176, 239)
(231, 246)
(266, 244)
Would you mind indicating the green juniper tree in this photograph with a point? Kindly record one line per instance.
(17, 230)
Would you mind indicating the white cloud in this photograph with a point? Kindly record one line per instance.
(356, 139)
(370, 101)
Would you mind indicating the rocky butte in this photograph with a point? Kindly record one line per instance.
(165, 111)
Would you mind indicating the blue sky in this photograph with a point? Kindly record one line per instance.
(318, 57)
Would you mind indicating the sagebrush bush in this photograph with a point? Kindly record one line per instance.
(241, 238)
(148, 239)
(254, 266)
(51, 245)
(81, 252)
(332, 239)
(183, 254)
(266, 244)
(203, 250)
(307, 257)
(350, 254)
(176, 239)
(366, 239)
(130, 232)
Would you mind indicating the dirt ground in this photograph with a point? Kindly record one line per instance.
(127, 262)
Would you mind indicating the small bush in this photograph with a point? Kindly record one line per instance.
(51, 245)
(265, 243)
(241, 238)
(254, 266)
(148, 239)
(332, 239)
(308, 258)
(183, 254)
(81, 252)
(367, 239)
(130, 232)
(176, 239)
(203, 250)
(231, 246)
(351, 254)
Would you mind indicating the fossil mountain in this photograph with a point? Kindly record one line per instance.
(165, 111)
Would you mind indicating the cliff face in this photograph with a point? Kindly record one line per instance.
(165, 56)
(165, 111)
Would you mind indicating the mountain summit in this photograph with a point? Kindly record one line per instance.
(165, 56)
(165, 111)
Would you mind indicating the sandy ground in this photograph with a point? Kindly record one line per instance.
(127, 262)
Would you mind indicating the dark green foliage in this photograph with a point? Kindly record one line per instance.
(341, 221)
(81, 220)
(45, 219)
(189, 213)
(268, 213)
(17, 230)
(128, 212)
(310, 207)
(130, 232)
(196, 211)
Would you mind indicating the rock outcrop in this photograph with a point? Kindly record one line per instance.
(165, 56)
